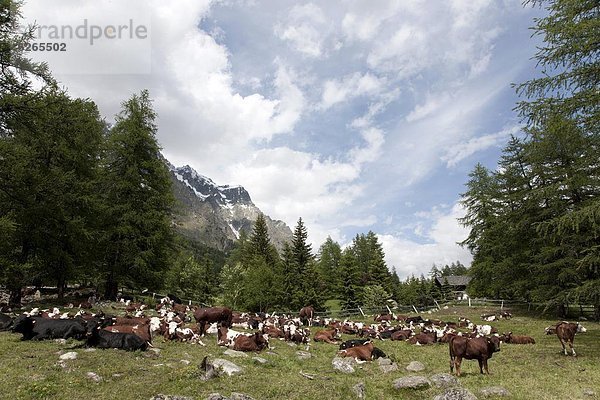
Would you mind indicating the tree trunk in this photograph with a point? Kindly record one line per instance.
(60, 285)
(111, 289)
(15, 297)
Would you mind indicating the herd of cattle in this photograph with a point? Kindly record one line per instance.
(172, 321)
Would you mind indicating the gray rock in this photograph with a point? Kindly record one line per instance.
(412, 382)
(456, 393)
(589, 392)
(387, 368)
(240, 396)
(359, 390)
(60, 341)
(234, 353)
(343, 364)
(94, 376)
(494, 391)
(169, 397)
(443, 380)
(260, 360)
(271, 353)
(69, 356)
(185, 362)
(90, 350)
(415, 366)
(226, 367)
(303, 355)
(216, 396)
(384, 361)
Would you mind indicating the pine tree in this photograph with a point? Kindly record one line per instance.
(138, 200)
(328, 265)
(350, 274)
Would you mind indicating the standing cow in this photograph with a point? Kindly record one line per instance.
(480, 349)
(306, 315)
(566, 334)
(220, 315)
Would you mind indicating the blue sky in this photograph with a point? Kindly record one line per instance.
(353, 115)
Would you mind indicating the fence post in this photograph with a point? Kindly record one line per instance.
(437, 304)
(361, 311)
(469, 302)
(153, 294)
(502, 305)
(390, 311)
(414, 308)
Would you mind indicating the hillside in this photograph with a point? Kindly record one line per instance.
(215, 215)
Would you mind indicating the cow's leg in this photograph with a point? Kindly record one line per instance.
(485, 366)
(452, 364)
(480, 361)
(457, 365)
(562, 343)
(572, 348)
(201, 327)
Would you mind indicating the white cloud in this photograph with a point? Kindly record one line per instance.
(460, 151)
(410, 257)
(349, 87)
(303, 29)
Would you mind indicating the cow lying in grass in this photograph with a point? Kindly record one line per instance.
(38, 328)
(98, 337)
(362, 353)
(517, 339)
(329, 336)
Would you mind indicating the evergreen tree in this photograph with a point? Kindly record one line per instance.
(303, 259)
(350, 274)
(138, 200)
(378, 271)
(329, 258)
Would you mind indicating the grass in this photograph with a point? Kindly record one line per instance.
(30, 370)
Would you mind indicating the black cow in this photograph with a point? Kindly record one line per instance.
(5, 322)
(38, 328)
(174, 298)
(97, 337)
(353, 343)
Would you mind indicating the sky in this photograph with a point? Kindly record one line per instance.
(353, 115)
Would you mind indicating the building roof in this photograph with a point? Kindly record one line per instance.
(454, 280)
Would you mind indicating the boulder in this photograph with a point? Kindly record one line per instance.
(69, 356)
(216, 396)
(412, 382)
(303, 355)
(494, 391)
(387, 368)
(94, 376)
(226, 367)
(384, 361)
(359, 390)
(344, 365)
(234, 353)
(415, 366)
(443, 380)
(456, 393)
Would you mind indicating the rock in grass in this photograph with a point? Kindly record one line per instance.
(260, 360)
(216, 396)
(234, 353)
(456, 393)
(69, 356)
(443, 380)
(359, 390)
(94, 376)
(384, 361)
(303, 355)
(589, 392)
(494, 391)
(169, 397)
(226, 367)
(415, 366)
(387, 368)
(343, 365)
(240, 396)
(412, 382)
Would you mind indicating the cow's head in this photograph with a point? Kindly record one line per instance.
(581, 328)
(494, 343)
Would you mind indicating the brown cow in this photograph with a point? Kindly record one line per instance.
(365, 352)
(403, 334)
(256, 342)
(566, 334)
(423, 338)
(210, 315)
(480, 349)
(329, 336)
(131, 321)
(306, 315)
(517, 339)
(142, 331)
